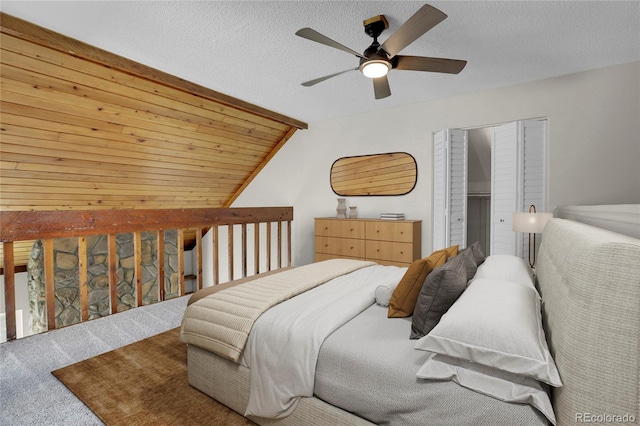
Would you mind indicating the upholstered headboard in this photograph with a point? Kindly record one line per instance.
(589, 280)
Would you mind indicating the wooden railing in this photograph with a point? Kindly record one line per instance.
(17, 226)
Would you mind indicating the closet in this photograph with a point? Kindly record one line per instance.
(518, 179)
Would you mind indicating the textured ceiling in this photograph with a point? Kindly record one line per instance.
(248, 49)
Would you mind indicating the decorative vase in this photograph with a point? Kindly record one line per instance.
(352, 212)
(342, 208)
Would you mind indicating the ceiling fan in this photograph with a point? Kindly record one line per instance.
(377, 60)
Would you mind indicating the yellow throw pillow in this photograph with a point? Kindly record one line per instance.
(403, 299)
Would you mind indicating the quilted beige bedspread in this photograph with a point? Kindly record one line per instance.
(221, 322)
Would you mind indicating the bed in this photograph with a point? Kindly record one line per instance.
(366, 370)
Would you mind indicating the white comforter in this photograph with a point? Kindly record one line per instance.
(283, 346)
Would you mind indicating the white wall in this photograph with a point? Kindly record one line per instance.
(593, 148)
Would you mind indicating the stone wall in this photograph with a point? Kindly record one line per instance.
(67, 276)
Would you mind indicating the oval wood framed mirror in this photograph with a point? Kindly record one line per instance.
(392, 173)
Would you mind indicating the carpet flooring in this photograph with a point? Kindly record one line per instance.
(31, 395)
(145, 383)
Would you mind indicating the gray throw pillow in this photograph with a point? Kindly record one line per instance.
(441, 289)
(478, 255)
(469, 262)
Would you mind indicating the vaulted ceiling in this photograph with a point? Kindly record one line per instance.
(248, 49)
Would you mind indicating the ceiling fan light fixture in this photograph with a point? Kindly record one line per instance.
(375, 68)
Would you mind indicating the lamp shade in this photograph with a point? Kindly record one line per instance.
(532, 223)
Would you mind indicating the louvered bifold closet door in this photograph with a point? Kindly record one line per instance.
(534, 134)
(505, 182)
(449, 188)
(439, 189)
(458, 188)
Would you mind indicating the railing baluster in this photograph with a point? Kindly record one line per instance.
(243, 252)
(181, 260)
(230, 250)
(161, 272)
(216, 256)
(288, 243)
(137, 267)
(279, 244)
(9, 290)
(268, 246)
(50, 288)
(256, 248)
(113, 272)
(199, 257)
(82, 279)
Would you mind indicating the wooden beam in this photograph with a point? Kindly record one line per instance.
(50, 39)
(9, 291)
(30, 225)
(258, 169)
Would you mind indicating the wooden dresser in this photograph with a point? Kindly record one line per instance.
(388, 242)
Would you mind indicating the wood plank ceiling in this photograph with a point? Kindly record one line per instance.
(81, 128)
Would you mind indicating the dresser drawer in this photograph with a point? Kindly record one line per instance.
(390, 251)
(392, 231)
(341, 228)
(340, 247)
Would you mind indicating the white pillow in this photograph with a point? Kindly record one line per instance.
(489, 381)
(506, 267)
(383, 294)
(497, 324)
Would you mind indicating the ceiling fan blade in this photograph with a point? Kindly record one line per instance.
(422, 63)
(422, 21)
(381, 87)
(326, 77)
(313, 35)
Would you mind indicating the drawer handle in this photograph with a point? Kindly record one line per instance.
(351, 230)
(401, 232)
(378, 250)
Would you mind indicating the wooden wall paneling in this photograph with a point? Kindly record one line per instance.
(199, 258)
(162, 280)
(49, 280)
(83, 281)
(78, 134)
(260, 166)
(33, 33)
(9, 290)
